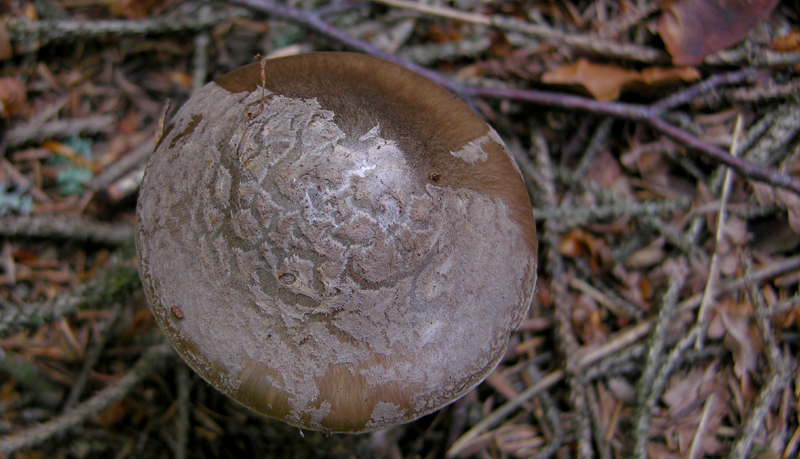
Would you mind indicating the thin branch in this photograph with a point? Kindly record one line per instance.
(28, 36)
(581, 215)
(200, 57)
(720, 156)
(689, 94)
(554, 37)
(647, 391)
(184, 382)
(80, 230)
(36, 132)
(551, 417)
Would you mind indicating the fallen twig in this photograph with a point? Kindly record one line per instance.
(80, 230)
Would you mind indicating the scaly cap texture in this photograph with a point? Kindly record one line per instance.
(352, 254)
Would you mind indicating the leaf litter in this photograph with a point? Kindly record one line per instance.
(631, 204)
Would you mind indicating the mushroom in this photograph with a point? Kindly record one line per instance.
(335, 241)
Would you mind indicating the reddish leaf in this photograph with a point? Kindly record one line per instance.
(787, 43)
(5, 43)
(603, 82)
(12, 97)
(136, 9)
(768, 195)
(577, 243)
(115, 413)
(693, 29)
(741, 337)
(606, 82)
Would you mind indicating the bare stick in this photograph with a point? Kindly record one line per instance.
(29, 36)
(710, 293)
(697, 441)
(82, 230)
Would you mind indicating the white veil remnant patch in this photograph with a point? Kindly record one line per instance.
(473, 151)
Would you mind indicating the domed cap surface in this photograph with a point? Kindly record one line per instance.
(349, 254)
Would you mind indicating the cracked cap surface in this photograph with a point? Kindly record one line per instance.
(353, 254)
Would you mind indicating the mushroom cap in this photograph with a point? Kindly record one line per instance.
(352, 254)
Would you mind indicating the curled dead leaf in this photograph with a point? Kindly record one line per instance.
(607, 172)
(685, 388)
(6, 51)
(607, 82)
(666, 76)
(136, 9)
(767, 195)
(646, 258)
(603, 82)
(792, 203)
(787, 43)
(13, 97)
(579, 243)
(741, 336)
(693, 29)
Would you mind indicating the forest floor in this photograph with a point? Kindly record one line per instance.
(663, 164)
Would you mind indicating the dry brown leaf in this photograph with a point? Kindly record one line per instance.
(665, 76)
(603, 82)
(650, 160)
(787, 43)
(578, 243)
(518, 440)
(30, 13)
(443, 34)
(693, 29)
(622, 389)
(685, 398)
(135, 9)
(607, 173)
(792, 203)
(645, 288)
(586, 319)
(29, 455)
(768, 195)
(606, 82)
(728, 247)
(115, 413)
(659, 451)
(741, 338)
(13, 97)
(181, 79)
(6, 51)
(684, 389)
(575, 244)
(647, 257)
